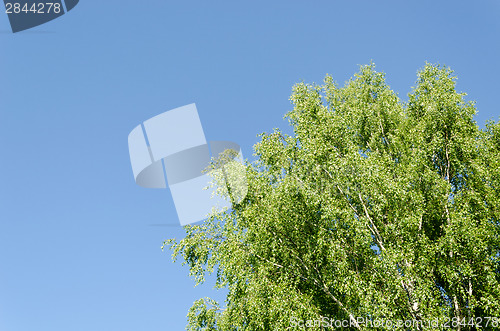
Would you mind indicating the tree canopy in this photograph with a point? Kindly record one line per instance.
(375, 208)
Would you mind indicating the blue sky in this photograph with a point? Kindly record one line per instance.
(77, 249)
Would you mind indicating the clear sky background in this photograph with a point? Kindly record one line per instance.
(77, 247)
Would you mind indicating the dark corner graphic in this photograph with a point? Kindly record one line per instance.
(26, 14)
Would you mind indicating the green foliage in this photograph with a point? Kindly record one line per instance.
(374, 208)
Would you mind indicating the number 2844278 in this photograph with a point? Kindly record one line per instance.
(34, 8)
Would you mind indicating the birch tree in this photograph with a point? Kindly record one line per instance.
(374, 208)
